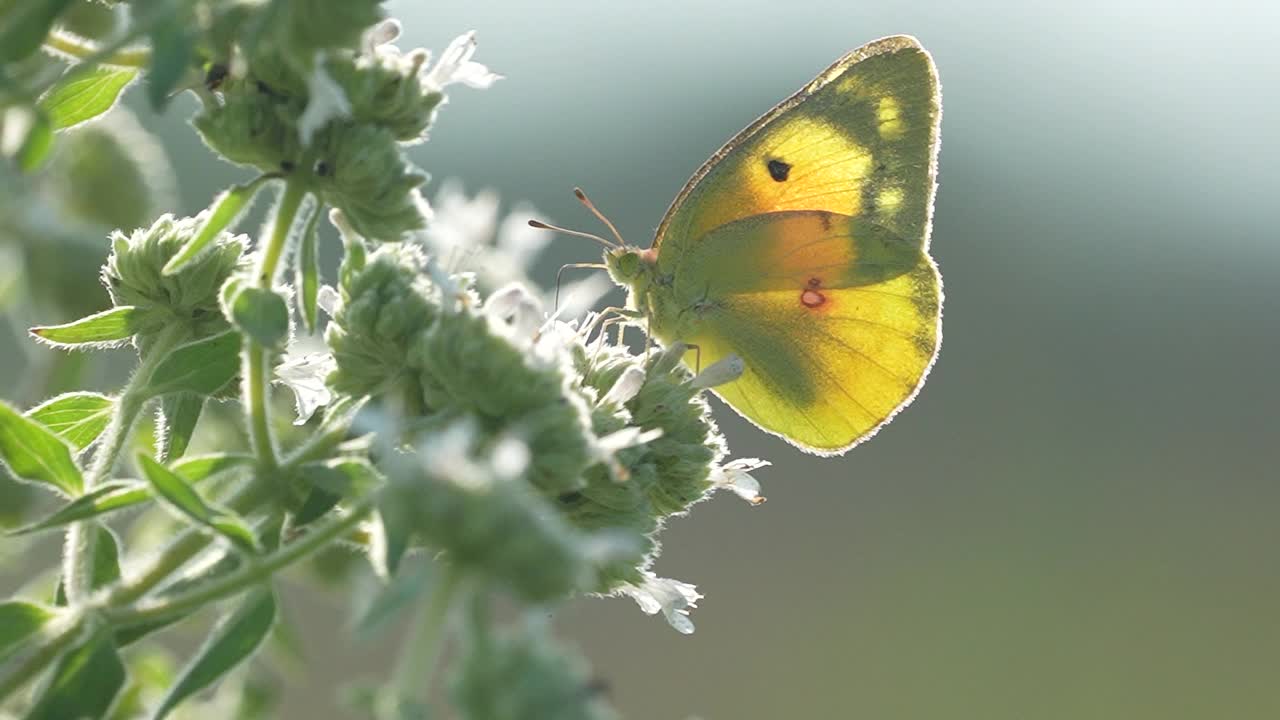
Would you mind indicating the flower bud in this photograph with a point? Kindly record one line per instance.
(134, 274)
(361, 170)
(385, 302)
(535, 677)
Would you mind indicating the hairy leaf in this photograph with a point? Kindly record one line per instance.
(18, 622)
(229, 644)
(77, 417)
(175, 491)
(109, 328)
(85, 682)
(33, 453)
(203, 367)
(226, 209)
(85, 96)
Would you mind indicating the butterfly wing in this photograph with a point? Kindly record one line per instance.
(801, 246)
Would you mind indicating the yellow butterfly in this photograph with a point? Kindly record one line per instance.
(801, 246)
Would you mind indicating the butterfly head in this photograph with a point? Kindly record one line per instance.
(631, 266)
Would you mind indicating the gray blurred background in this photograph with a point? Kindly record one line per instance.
(1078, 516)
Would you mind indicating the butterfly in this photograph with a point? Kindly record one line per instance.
(801, 247)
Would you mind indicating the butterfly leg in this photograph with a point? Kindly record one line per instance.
(560, 272)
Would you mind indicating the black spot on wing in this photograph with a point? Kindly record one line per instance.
(778, 170)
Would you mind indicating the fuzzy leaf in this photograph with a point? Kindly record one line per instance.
(109, 328)
(19, 621)
(176, 493)
(203, 367)
(85, 96)
(84, 683)
(309, 272)
(171, 53)
(33, 453)
(226, 209)
(27, 24)
(230, 643)
(102, 499)
(77, 417)
(179, 413)
(262, 315)
(198, 467)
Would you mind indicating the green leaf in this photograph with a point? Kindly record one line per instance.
(203, 367)
(225, 211)
(196, 468)
(85, 96)
(33, 453)
(309, 272)
(109, 328)
(346, 477)
(77, 417)
(229, 644)
(84, 683)
(171, 54)
(120, 494)
(392, 534)
(36, 146)
(27, 24)
(106, 563)
(104, 498)
(179, 413)
(262, 315)
(175, 491)
(18, 622)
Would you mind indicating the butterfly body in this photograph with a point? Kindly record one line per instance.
(802, 247)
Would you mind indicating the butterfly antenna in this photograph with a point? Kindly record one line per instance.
(582, 197)
(546, 226)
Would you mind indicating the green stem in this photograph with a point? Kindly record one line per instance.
(253, 572)
(257, 358)
(421, 651)
(48, 651)
(75, 47)
(78, 554)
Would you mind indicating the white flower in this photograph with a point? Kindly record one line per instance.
(325, 101)
(384, 33)
(736, 476)
(671, 597)
(466, 232)
(627, 386)
(456, 66)
(304, 374)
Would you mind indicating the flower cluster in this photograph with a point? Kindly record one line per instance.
(612, 443)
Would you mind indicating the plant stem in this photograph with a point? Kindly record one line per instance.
(73, 46)
(254, 571)
(79, 550)
(421, 650)
(257, 358)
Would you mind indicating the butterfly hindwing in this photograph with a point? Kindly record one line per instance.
(837, 330)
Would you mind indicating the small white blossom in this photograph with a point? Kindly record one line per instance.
(466, 231)
(327, 299)
(736, 476)
(305, 375)
(627, 386)
(384, 33)
(674, 599)
(325, 101)
(456, 66)
(627, 437)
